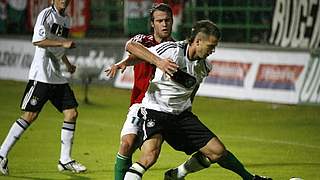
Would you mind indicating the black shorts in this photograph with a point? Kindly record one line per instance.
(38, 93)
(184, 132)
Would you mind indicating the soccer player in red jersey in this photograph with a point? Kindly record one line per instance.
(161, 23)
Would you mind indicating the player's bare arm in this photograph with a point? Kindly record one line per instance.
(68, 44)
(71, 68)
(112, 70)
(141, 52)
(129, 61)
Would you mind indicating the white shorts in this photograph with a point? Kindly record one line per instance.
(133, 124)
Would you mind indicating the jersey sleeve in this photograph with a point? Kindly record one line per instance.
(137, 38)
(41, 28)
(140, 38)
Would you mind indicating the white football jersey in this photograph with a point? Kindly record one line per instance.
(166, 95)
(45, 66)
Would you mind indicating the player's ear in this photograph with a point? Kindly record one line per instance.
(197, 39)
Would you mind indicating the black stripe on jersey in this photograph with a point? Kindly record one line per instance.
(165, 45)
(184, 47)
(163, 49)
(54, 9)
(46, 16)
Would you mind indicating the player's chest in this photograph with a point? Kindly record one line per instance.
(194, 68)
(58, 26)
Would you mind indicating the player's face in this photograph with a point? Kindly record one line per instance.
(162, 24)
(61, 4)
(206, 46)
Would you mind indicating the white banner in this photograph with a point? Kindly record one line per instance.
(125, 79)
(260, 75)
(15, 59)
(296, 23)
(310, 92)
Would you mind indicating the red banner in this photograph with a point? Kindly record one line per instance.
(78, 10)
(277, 76)
(228, 73)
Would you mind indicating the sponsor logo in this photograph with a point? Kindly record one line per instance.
(228, 73)
(272, 76)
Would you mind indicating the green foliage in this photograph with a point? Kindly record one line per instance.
(280, 141)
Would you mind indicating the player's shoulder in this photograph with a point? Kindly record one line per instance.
(141, 37)
(146, 40)
(46, 11)
(182, 44)
(171, 45)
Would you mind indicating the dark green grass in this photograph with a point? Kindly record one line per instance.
(280, 141)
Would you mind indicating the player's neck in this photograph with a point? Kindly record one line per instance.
(160, 40)
(191, 53)
(59, 10)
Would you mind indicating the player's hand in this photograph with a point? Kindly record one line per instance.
(68, 44)
(71, 68)
(167, 66)
(112, 70)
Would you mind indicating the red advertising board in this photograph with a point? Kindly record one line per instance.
(79, 11)
(277, 76)
(228, 73)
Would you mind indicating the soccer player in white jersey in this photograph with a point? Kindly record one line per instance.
(166, 108)
(46, 82)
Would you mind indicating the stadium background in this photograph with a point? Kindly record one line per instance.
(269, 52)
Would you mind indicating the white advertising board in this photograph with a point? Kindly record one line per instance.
(273, 76)
(15, 59)
(260, 75)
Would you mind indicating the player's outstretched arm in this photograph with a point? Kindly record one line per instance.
(141, 52)
(112, 70)
(68, 44)
(71, 68)
(129, 61)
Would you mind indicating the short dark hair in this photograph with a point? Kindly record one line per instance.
(205, 26)
(160, 7)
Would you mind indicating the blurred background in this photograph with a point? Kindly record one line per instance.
(247, 21)
(269, 49)
(262, 97)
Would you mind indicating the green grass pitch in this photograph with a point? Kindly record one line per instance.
(281, 141)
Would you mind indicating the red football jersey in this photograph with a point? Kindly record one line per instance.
(143, 72)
